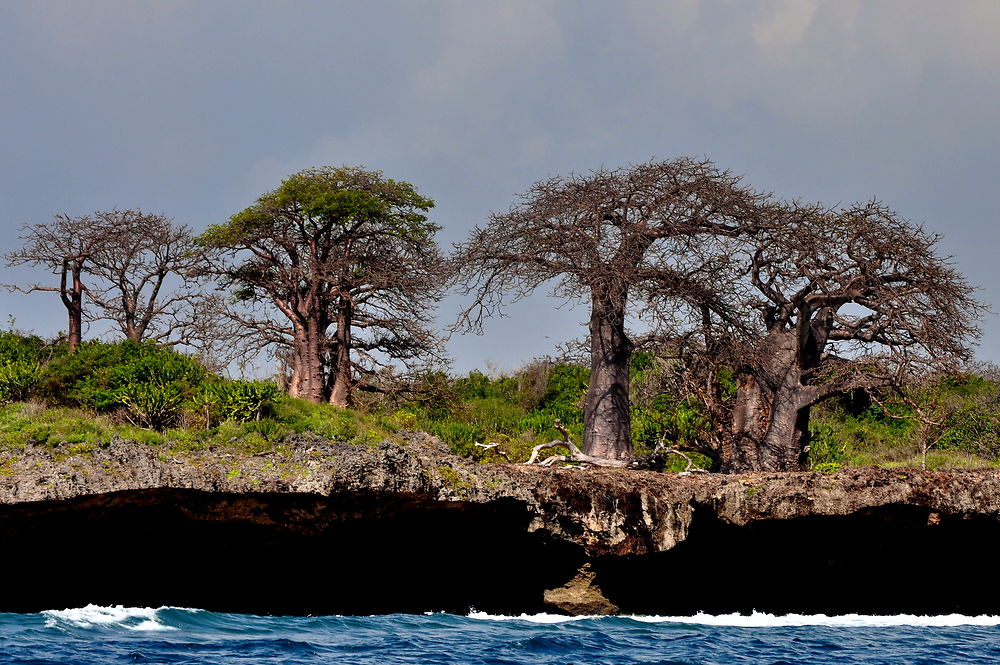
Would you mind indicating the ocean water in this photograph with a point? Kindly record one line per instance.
(175, 635)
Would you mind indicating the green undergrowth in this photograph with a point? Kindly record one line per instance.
(78, 431)
(158, 397)
(521, 411)
(963, 412)
(154, 395)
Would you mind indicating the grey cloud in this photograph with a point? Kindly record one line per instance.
(194, 109)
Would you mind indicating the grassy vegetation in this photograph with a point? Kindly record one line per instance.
(81, 430)
(965, 432)
(154, 395)
(520, 411)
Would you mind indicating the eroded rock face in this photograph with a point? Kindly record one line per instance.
(582, 595)
(334, 528)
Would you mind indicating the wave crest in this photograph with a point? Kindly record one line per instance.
(765, 620)
(91, 616)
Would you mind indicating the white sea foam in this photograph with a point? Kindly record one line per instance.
(533, 618)
(764, 620)
(131, 618)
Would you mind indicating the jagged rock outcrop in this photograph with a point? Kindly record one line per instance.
(318, 526)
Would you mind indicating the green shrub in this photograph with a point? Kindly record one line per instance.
(102, 376)
(152, 406)
(240, 401)
(973, 429)
(81, 378)
(17, 378)
(15, 347)
(565, 393)
(824, 447)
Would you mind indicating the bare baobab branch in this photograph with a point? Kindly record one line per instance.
(65, 246)
(646, 239)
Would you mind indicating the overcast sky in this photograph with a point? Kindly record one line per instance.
(193, 109)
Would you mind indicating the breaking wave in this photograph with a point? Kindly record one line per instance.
(110, 635)
(131, 618)
(764, 620)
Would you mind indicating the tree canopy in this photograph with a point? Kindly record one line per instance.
(849, 298)
(348, 259)
(632, 241)
(119, 261)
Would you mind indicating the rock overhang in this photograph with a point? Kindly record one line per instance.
(407, 527)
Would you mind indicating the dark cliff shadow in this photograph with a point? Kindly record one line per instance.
(372, 554)
(882, 561)
(276, 554)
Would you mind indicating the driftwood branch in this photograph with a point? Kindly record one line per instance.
(576, 455)
(495, 447)
(673, 450)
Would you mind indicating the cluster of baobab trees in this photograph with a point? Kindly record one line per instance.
(766, 307)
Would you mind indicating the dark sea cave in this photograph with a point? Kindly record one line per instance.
(371, 554)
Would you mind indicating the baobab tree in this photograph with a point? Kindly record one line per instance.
(137, 273)
(847, 299)
(334, 263)
(384, 310)
(65, 246)
(115, 266)
(631, 241)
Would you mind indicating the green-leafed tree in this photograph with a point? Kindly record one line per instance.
(337, 271)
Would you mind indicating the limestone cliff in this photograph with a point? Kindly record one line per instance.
(334, 528)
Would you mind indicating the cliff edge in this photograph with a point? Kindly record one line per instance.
(324, 527)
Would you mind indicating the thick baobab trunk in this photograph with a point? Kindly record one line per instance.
(72, 298)
(751, 414)
(784, 445)
(770, 419)
(607, 431)
(307, 362)
(340, 392)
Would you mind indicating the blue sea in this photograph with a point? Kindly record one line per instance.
(107, 635)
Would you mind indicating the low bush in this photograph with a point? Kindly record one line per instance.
(103, 376)
(16, 347)
(152, 406)
(17, 378)
(240, 401)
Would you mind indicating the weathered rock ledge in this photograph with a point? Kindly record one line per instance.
(335, 528)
